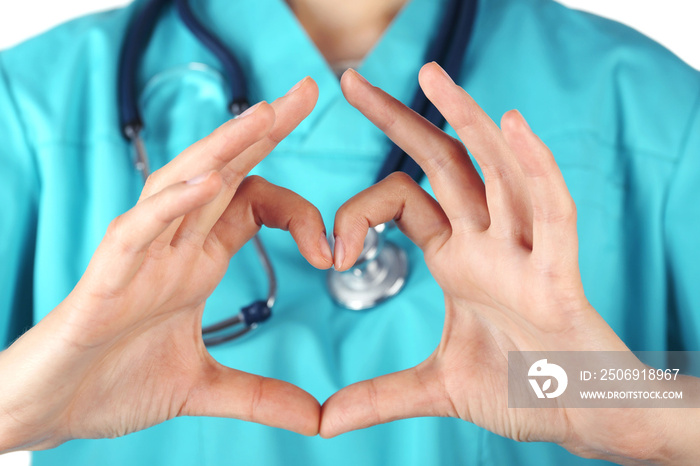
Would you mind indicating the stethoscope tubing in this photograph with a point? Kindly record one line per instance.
(209, 332)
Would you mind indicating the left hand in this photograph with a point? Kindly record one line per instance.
(505, 253)
(124, 350)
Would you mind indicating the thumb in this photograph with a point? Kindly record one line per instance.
(414, 392)
(226, 392)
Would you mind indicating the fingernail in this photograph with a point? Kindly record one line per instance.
(296, 86)
(339, 253)
(444, 72)
(325, 248)
(249, 111)
(198, 179)
(362, 78)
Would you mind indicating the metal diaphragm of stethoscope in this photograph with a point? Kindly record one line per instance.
(379, 273)
(381, 270)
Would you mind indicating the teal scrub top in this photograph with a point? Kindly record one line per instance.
(619, 112)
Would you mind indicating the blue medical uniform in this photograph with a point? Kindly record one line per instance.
(619, 112)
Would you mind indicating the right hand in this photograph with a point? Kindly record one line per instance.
(505, 254)
(124, 350)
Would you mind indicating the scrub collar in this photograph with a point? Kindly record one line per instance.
(275, 51)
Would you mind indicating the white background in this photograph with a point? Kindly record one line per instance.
(674, 23)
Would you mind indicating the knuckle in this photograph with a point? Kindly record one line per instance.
(303, 222)
(389, 112)
(257, 179)
(351, 217)
(114, 228)
(373, 397)
(548, 216)
(309, 212)
(449, 151)
(256, 399)
(253, 183)
(573, 211)
(565, 213)
(403, 187)
(494, 172)
(454, 148)
(345, 211)
(359, 226)
(235, 175)
(351, 220)
(115, 234)
(153, 182)
(468, 117)
(500, 170)
(191, 238)
(220, 138)
(400, 178)
(544, 168)
(275, 137)
(546, 268)
(160, 209)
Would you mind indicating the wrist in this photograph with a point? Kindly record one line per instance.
(679, 428)
(643, 435)
(623, 436)
(32, 370)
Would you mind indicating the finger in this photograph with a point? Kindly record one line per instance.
(414, 392)
(215, 151)
(258, 202)
(555, 239)
(290, 110)
(397, 198)
(129, 236)
(444, 160)
(505, 189)
(226, 392)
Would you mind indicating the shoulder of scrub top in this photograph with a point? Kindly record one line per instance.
(581, 70)
(47, 75)
(58, 45)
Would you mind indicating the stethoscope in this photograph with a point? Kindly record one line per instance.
(382, 268)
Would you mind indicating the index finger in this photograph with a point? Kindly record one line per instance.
(215, 151)
(444, 159)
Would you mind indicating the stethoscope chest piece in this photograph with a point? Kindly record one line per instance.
(379, 273)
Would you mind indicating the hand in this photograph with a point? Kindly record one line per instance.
(505, 253)
(124, 350)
